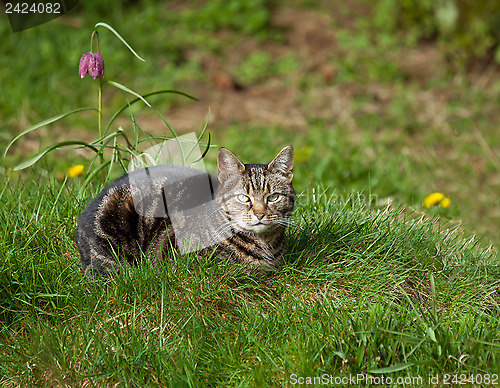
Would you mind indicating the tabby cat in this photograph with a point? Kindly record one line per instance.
(239, 216)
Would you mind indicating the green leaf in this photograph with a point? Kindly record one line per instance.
(37, 157)
(205, 152)
(105, 25)
(43, 123)
(431, 333)
(93, 174)
(201, 135)
(391, 369)
(428, 362)
(52, 296)
(491, 344)
(360, 354)
(168, 126)
(125, 89)
(433, 286)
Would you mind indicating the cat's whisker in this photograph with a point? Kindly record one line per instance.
(216, 237)
(289, 222)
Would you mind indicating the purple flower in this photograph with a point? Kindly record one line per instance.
(93, 64)
(84, 64)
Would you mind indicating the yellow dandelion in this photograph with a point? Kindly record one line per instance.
(74, 171)
(445, 202)
(435, 199)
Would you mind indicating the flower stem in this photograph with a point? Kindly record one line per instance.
(99, 118)
(92, 40)
(99, 121)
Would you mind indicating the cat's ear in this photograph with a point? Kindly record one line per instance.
(283, 163)
(228, 164)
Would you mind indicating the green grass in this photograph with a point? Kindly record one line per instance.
(360, 290)
(385, 122)
(366, 288)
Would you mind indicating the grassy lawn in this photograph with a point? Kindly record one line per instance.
(361, 291)
(374, 283)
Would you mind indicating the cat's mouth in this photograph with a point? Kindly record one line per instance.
(254, 225)
(258, 227)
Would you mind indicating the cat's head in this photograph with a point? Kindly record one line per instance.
(256, 197)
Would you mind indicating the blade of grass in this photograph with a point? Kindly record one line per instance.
(392, 369)
(37, 157)
(105, 25)
(43, 123)
(125, 89)
(58, 195)
(94, 173)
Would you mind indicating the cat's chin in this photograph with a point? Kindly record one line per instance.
(258, 228)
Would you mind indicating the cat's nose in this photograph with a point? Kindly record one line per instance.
(260, 216)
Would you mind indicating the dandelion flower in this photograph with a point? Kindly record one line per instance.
(74, 171)
(445, 202)
(435, 199)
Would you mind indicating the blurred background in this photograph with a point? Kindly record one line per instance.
(396, 99)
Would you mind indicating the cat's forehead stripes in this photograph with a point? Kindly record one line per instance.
(256, 177)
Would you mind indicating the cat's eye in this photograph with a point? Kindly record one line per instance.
(273, 197)
(243, 198)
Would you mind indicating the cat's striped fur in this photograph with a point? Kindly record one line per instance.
(241, 217)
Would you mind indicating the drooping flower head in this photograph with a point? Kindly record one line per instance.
(92, 63)
(96, 66)
(84, 64)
